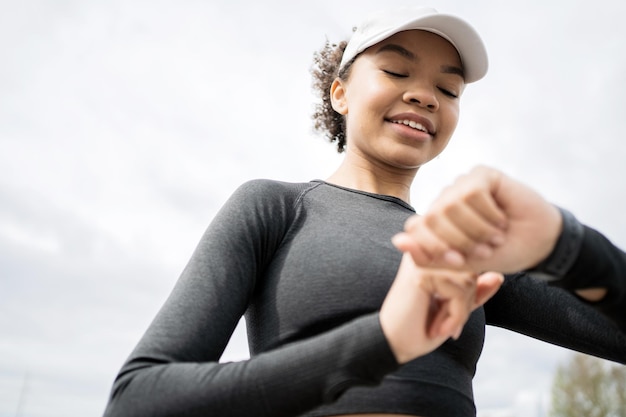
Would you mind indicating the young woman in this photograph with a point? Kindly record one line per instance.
(340, 322)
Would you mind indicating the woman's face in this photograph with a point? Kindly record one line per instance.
(401, 99)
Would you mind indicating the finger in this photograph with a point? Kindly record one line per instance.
(453, 227)
(455, 292)
(437, 315)
(486, 206)
(462, 227)
(458, 311)
(487, 285)
(435, 241)
(437, 311)
(448, 283)
(426, 249)
(406, 243)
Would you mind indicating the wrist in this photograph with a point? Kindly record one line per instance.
(564, 252)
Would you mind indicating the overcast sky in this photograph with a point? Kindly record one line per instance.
(126, 124)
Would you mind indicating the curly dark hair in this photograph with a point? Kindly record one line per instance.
(325, 69)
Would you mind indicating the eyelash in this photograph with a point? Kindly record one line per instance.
(448, 93)
(395, 74)
(443, 90)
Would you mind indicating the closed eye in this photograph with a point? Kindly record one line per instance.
(448, 93)
(395, 74)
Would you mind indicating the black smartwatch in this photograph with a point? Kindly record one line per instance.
(565, 252)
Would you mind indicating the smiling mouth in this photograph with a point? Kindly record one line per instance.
(412, 124)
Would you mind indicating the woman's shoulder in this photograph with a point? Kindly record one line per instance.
(269, 190)
(277, 186)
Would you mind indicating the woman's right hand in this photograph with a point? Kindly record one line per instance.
(484, 221)
(426, 306)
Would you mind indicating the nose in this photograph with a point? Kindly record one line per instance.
(423, 96)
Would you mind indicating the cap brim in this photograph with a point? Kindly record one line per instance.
(459, 33)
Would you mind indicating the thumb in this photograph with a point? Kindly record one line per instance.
(405, 243)
(487, 285)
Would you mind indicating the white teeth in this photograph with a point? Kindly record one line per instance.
(412, 124)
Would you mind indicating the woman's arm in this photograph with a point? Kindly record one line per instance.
(488, 221)
(597, 273)
(532, 307)
(175, 369)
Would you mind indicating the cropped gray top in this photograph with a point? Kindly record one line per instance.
(309, 265)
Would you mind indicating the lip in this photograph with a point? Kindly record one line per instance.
(414, 117)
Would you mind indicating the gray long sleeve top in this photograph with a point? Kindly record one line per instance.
(309, 265)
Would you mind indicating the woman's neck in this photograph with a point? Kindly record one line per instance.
(374, 180)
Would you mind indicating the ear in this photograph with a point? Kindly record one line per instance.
(338, 96)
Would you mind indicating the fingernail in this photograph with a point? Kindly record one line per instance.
(453, 258)
(497, 240)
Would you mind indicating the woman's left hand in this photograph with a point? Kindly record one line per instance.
(425, 306)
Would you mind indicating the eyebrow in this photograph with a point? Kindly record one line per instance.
(446, 69)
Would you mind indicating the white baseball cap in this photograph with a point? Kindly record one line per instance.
(381, 25)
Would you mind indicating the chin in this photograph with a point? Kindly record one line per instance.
(411, 160)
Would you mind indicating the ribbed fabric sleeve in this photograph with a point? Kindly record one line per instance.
(599, 264)
(532, 307)
(174, 370)
(583, 258)
(284, 382)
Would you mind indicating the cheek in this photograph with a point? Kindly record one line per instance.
(451, 119)
(367, 105)
(373, 93)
